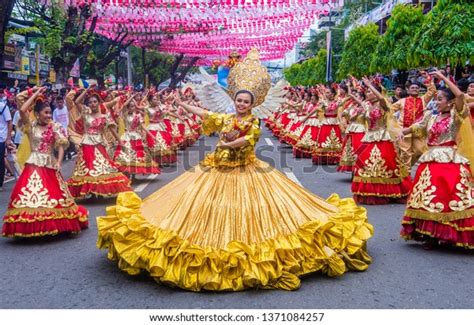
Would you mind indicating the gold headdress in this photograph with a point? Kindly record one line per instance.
(250, 75)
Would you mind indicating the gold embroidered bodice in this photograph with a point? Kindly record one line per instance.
(43, 141)
(441, 132)
(133, 123)
(376, 119)
(226, 125)
(356, 117)
(94, 126)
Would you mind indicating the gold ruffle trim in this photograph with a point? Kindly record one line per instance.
(56, 216)
(443, 155)
(381, 195)
(441, 217)
(376, 136)
(376, 180)
(147, 164)
(332, 247)
(102, 179)
(356, 128)
(427, 233)
(35, 234)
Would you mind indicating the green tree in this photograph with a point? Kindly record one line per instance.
(157, 66)
(308, 73)
(291, 74)
(66, 35)
(6, 8)
(104, 52)
(392, 51)
(358, 51)
(446, 35)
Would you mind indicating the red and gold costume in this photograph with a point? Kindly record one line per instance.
(379, 175)
(284, 118)
(292, 131)
(173, 125)
(441, 204)
(95, 173)
(131, 154)
(411, 110)
(189, 133)
(159, 140)
(307, 134)
(40, 203)
(329, 147)
(355, 131)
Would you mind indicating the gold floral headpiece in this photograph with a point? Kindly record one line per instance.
(250, 75)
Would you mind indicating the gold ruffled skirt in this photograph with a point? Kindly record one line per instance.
(235, 228)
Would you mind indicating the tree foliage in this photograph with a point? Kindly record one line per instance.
(103, 53)
(358, 50)
(446, 35)
(157, 66)
(392, 51)
(66, 34)
(308, 73)
(6, 8)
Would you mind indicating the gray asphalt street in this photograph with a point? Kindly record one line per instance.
(70, 272)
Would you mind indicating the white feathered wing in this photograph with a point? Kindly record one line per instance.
(273, 100)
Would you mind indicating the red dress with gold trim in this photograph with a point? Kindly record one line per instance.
(190, 134)
(131, 154)
(283, 120)
(353, 138)
(291, 135)
(307, 134)
(40, 203)
(329, 147)
(159, 140)
(441, 204)
(95, 173)
(379, 175)
(173, 125)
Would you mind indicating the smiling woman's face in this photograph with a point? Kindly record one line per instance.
(243, 103)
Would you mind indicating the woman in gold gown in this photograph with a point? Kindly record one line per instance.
(233, 222)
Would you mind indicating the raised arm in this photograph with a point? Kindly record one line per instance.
(80, 100)
(377, 93)
(431, 88)
(26, 107)
(189, 108)
(456, 91)
(70, 99)
(112, 103)
(128, 101)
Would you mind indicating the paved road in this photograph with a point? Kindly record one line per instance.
(72, 273)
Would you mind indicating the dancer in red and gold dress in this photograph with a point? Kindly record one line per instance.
(40, 203)
(289, 135)
(131, 155)
(95, 173)
(354, 132)
(440, 208)
(296, 116)
(307, 133)
(328, 150)
(159, 140)
(174, 125)
(379, 175)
